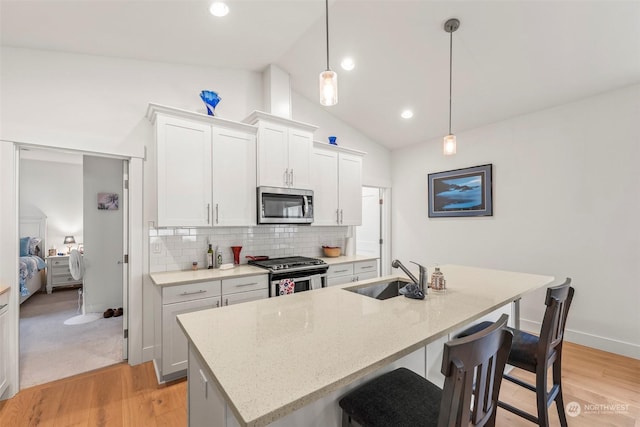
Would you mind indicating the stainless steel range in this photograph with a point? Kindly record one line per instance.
(294, 274)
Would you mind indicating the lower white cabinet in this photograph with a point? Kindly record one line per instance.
(244, 289)
(3, 339)
(204, 403)
(171, 344)
(339, 274)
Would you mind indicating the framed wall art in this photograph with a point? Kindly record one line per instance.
(108, 201)
(461, 192)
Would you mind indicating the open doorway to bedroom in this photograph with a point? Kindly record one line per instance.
(72, 215)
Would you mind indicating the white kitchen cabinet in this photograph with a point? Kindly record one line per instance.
(336, 176)
(206, 169)
(234, 178)
(204, 402)
(171, 344)
(284, 151)
(244, 289)
(339, 274)
(183, 172)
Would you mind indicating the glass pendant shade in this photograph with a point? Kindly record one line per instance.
(328, 88)
(449, 146)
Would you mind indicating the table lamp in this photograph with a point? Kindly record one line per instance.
(69, 240)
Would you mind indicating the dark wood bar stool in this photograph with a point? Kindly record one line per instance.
(473, 369)
(538, 354)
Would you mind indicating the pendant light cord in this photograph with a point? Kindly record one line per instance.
(450, 75)
(327, 27)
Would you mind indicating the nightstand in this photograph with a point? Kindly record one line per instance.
(58, 273)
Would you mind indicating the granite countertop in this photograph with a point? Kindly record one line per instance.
(171, 278)
(333, 337)
(343, 259)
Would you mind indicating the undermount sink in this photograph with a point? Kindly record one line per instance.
(384, 290)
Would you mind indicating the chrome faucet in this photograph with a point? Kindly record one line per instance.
(422, 282)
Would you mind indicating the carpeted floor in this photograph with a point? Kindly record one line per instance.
(50, 350)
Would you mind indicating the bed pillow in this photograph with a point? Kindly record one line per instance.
(24, 246)
(33, 246)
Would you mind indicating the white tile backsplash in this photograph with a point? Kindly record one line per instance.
(176, 249)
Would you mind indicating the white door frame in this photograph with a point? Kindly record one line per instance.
(9, 165)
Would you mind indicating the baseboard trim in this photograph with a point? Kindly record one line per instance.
(611, 345)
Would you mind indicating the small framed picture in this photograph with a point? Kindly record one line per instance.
(108, 201)
(461, 192)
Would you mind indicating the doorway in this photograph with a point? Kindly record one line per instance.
(373, 236)
(81, 199)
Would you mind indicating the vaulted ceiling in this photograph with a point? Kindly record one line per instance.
(509, 57)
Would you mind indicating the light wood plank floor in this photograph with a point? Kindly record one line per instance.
(122, 395)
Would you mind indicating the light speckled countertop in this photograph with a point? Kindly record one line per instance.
(346, 259)
(3, 289)
(170, 278)
(273, 356)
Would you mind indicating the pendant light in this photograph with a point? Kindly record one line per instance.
(328, 78)
(449, 146)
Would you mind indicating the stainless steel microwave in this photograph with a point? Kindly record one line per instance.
(284, 206)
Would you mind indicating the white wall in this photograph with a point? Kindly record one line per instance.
(103, 247)
(55, 190)
(376, 167)
(98, 104)
(566, 203)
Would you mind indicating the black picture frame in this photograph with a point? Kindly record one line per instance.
(464, 192)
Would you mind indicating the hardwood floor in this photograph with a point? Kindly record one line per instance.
(122, 395)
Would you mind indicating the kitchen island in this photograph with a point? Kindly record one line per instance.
(286, 360)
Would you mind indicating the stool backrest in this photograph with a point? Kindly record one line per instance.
(558, 301)
(473, 366)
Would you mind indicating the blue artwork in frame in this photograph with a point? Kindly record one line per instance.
(461, 192)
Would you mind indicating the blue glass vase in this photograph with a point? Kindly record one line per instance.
(211, 99)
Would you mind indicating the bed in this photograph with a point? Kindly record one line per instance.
(32, 267)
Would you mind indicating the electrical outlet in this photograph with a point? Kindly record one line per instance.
(156, 248)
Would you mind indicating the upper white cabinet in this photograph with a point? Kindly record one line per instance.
(206, 169)
(234, 178)
(284, 151)
(184, 172)
(336, 175)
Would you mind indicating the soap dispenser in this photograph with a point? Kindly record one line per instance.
(437, 280)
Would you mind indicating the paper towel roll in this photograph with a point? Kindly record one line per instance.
(349, 250)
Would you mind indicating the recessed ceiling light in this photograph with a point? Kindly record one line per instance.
(407, 114)
(219, 9)
(348, 64)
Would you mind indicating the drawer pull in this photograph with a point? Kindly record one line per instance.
(341, 271)
(367, 266)
(201, 291)
(246, 284)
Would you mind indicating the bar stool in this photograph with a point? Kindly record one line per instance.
(537, 354)
(473, 368)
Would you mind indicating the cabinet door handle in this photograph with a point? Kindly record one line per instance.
(217, 212)
(201, 291)
(291, 181)
(226, 301)
(204, 383)
(217, 304)
(341, 216)
(338, 216)
(286, 177)
(208, 213)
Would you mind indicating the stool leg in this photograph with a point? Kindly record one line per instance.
(557, 379)
(541, 396)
